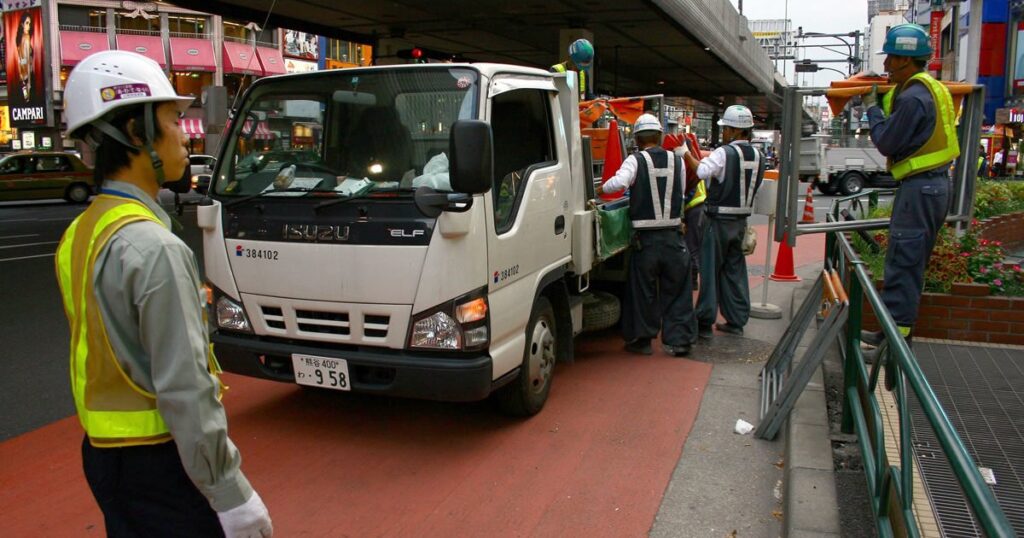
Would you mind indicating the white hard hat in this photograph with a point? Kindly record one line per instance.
(113, 79)
(737, 116)
(647, 122)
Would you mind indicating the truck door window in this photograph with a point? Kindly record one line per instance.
(520, 121)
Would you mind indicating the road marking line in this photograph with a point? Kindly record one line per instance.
(17, 236)
(31, 244)
(25, 257)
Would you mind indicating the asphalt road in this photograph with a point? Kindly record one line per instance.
(33, 329)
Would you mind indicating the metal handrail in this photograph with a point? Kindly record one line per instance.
(891, 486)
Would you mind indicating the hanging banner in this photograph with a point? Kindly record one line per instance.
(3, 54)
(301, 45)
(26, 88)
(935, 32)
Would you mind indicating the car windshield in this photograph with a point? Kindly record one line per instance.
(346, 133)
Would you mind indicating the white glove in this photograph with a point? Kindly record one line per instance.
(681, 150)
(249, 520)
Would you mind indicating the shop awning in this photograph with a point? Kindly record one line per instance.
(75, 46)
(240, 58)
(150, 46)
(273, 63)
(193, 128)
(262, 131)
(192, 54)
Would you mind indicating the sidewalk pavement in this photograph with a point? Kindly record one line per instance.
(733, 485)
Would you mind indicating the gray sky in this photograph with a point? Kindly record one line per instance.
(825, 16)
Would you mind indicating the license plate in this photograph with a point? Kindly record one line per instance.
(326, 372)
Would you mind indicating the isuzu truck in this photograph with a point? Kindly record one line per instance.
(423, 231)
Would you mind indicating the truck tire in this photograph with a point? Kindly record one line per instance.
(852, 182)
(600, 310)
(828, 189)
(77, 193)
(525, 396)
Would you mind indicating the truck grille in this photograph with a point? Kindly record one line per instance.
(313, 321)
(331, 322)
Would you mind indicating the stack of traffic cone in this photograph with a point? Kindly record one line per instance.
(809, 205)
(612, 159)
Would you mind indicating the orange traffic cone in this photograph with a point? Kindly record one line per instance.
(809, 205)
(784, 270)
(612, 159)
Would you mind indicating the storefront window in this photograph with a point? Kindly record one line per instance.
(98, 18)
(185, 24)
(348, 54)
(137, 23)
(236, 84)
(191, 83)
(236, 31)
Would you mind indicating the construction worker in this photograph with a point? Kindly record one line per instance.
(581, 57)
(915, 129)
(982, 162)
(694, 218)
(733, 173)
(659, 297)
(156, 453)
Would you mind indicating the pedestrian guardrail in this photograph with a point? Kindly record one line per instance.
(890, 483)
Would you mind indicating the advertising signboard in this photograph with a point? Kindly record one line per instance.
(25, 61)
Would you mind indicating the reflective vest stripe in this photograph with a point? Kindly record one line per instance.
(113, 410)
(941, 147)
(699, 195)
(663, 211)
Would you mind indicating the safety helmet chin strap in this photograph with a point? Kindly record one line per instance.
(147, 144)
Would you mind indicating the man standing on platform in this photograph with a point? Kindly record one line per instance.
(916, 129)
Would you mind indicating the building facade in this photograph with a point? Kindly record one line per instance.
(203, 55)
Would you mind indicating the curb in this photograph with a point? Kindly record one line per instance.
(810, 502)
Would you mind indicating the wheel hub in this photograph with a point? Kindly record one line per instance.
(541, 355)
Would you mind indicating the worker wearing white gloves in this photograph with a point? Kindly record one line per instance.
(156, 452)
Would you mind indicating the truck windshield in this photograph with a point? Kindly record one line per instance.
(346, 133)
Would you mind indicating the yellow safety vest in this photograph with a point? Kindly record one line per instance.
(942, 147)
(113, 409)
(560, 68)
(699, 195)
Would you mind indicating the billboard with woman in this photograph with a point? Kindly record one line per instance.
(26, 88)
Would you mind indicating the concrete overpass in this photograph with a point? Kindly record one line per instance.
(700, 49)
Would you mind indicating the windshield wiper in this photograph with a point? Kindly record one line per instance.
(260, 194)
(372, 193)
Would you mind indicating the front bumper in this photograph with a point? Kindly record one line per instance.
(461, 378)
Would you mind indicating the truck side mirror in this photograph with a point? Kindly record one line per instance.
(471, 152)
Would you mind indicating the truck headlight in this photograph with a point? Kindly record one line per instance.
(438, 331)
(462, 324)
(231, 315)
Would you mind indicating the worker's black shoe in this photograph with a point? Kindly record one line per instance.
(704, 332)
(729, 328)
(640, 346)
(872, 338)
(678, 351)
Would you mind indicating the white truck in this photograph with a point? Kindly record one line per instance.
(849, 169)
(433, 238)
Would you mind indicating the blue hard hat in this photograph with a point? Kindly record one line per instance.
(581, 52)
(907, 40)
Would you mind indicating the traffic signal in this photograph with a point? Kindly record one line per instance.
(415, 54)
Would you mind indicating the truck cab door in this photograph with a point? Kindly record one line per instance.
(527, 210)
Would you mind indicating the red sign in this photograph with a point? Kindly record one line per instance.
(935, 31)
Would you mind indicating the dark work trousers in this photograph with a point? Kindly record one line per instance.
(694, 236)
(144, 492)
(659, 294)
(723, 272)
(918, 212)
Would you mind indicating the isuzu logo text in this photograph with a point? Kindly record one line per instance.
(315, 232)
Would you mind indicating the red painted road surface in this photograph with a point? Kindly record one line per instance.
(595, 462)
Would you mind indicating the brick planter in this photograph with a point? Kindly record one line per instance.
(967, 313)
(1007, 229)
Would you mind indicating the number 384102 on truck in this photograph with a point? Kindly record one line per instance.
(422, 231)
